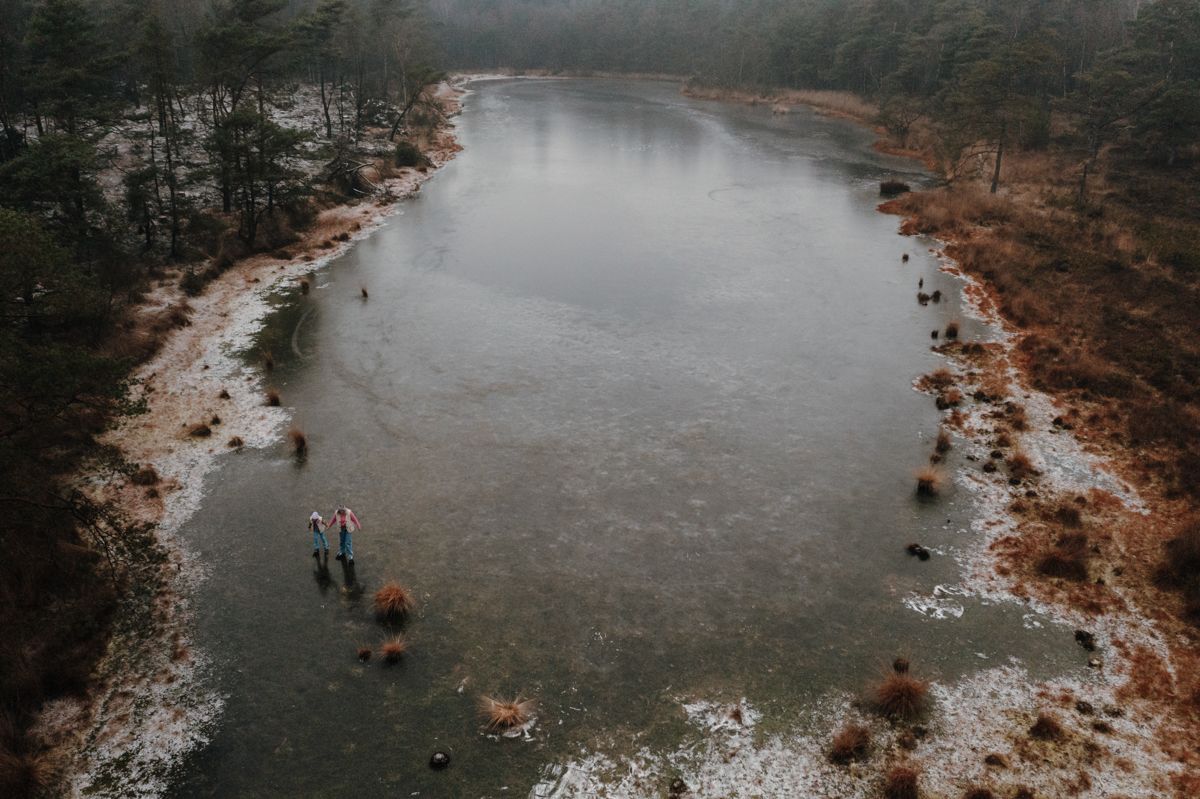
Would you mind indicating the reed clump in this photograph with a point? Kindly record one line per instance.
(900, 783)
(506, 714)
(929, 481)
(394, 601)
(852, 742)
(901, 696)
(298, 440)
(394, 649)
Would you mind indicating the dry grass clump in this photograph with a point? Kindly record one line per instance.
(901, 695)
(1181, 568)
(505, 714)
(393, 601)
(273, 398)
(1046, 728)
(393, 649)
(929, 481)
(304, 286)
(200, 430)
(268, 361)
(940, 378)
(365, 295)
(1068, 560)
(853, 742)
(900, 783)
(235, 442)
(942, 444)
(950, 398)
(1020, 466)
(364, 654)
(952, 329)
(299, 441)
(223, 395)
(979, 793)
(145, 476)
(1068, 516)
(22, 774)
(893, 188)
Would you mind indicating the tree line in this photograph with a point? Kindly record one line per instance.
(135, 135)
(989, 73)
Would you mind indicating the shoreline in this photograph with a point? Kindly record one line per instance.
(154, 718)
(150, 705)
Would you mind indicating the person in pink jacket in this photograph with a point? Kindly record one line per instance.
(346, 523)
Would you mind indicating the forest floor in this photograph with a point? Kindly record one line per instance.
(1082, 424)
(148, 705)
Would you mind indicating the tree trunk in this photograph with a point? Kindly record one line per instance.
(999, 158)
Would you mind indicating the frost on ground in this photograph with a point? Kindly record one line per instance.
(978, 734)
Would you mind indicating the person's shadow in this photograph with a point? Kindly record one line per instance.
(351, 589)
(321, 572)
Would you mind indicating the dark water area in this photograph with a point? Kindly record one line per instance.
(630, 409)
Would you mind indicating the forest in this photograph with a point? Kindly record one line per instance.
(137, 136)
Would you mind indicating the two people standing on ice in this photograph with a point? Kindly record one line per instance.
(346, 523)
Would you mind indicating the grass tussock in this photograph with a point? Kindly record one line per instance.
(979, 793)
(900, 696)
(235, 442)
(299, 441)
(950, 398)
(900, 782)
(394, 649)
(393, 601)
(505, 714)
(22, 774)
(145, 476)
(1068, 560)
(273, 398)
(305, 286)
(268, 361)
(852, 742)
(929, 481)
(364, 654)
(199, 430)
(223, 395)
(940, 378)
(951, 329)
(1046, 728)
(1020, 466)
(1180, 570)
(893, 188)
(365, 294)
(942, 444)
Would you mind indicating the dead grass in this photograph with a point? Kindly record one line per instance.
(900, 696)
(979, 793)
(235, 442)
(942, 444)
(23, 774)
(273, 398)
(199, 430)
(268, 361)
(145, 476)
(929, 481)
(1020, 466)
(505, 714)
(901, 783)
(852, 742)
(365, 294)
(950, 398)
(394, 601)
(940, 378)
(1068, 559)
(393, 649)
(1046, 728)
(364, 654)
(304, 286)
(951, 329)
(298, 440)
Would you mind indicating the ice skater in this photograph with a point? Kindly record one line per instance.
(317, 525)
(347, 523)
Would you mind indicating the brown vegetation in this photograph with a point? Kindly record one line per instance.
(1068, 559)
(145, 476)
(852, 742)
(268, 361)
(199, 430)
(1180, 569)
(304, 286)
(929, 481)
(951, 330)
(235, 442)
(505, 714)
(1020, 466)
(393, 649)
(273, 398)
(900, 783)
(298, 440)
(1046, 728)
(393, 601)
(943, 441)
(901, 696)
(364, 654)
